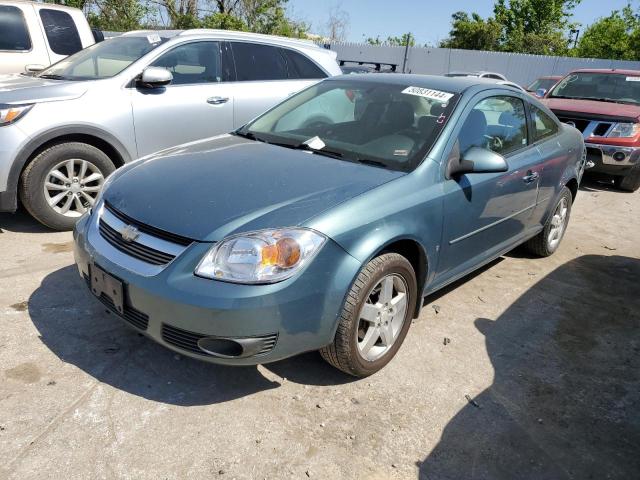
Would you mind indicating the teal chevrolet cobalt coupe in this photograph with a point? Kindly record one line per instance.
(323, 223)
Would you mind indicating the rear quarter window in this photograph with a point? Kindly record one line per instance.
(61, 32)
(300, 67)
(14, 35)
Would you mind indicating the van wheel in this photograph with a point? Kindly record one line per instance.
(630, 182)
(62, 183)
(548, 240)
(375, 317)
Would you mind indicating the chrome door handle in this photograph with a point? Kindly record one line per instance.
(217, 100)
(530, 177)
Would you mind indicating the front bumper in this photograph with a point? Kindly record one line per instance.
(12, 140)
(612, 159)
(177, 309)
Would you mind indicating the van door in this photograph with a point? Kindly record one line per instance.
(197, 104)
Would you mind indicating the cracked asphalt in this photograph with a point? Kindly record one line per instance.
(527, 369)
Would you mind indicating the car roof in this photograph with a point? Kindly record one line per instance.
(226, 34)
(435, 82)
(607, 70)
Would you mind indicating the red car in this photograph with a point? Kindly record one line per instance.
(605, 106)
(543, 83)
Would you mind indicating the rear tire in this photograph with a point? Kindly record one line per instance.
(391, 309)
(630, 182)
(74, 172)
(548, 240)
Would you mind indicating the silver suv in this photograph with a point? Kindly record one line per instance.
(63, 131)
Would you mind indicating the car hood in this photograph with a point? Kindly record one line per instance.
(209, 189)
(593, 107)
(16, 89)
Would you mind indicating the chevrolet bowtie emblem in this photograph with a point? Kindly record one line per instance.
(129, 233)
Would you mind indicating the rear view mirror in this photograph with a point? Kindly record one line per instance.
(98, 36)
(477, 160)
(541, 92)
(154, 77)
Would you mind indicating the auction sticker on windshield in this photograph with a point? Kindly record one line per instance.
(429, 93)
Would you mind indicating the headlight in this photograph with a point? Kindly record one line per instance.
(12, 113)
(265, 256)
(626, 130)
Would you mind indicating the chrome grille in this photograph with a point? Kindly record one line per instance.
(137, 250)
(149, 245)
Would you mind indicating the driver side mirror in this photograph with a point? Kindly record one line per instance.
(541, 92)
(475, 160)
(155, 77)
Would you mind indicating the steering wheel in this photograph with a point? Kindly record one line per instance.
(494, 143)
(316, 122)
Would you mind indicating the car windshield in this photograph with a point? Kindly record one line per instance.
(606, 87)
(384, 125)
(103, 60)
(545, 83)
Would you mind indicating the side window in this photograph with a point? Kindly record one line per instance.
(495, 123)
(14, 36)
(300, 66)
(544, 126)
(61, 32)
(193, 63)
(258, 62)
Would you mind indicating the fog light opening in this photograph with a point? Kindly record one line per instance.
(221, 347)
(619, 156)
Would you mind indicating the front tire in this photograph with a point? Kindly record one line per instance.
(375, 318)
(62, 182)
(630, 182)
(548, 240)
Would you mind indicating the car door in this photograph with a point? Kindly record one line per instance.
(485, 213)
(553, 158)
(197, 104)
(266, 75)
(21, 41)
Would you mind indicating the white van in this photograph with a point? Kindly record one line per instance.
(36, 35)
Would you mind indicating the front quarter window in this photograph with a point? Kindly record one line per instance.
(385, 125)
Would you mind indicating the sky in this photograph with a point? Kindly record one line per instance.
(428, 20)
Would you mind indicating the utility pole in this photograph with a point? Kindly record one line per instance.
(406, 52)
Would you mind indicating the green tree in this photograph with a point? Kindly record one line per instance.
(616, 36)
(118, 15)
(402, 41)
(473, 33)
(535, 26)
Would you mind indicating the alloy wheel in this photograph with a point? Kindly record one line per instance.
(558, 223)
(381, 317)
(71, 187)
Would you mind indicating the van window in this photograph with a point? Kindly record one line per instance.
(61, 32)
(15, 36)
(300, 66)
(258, 62)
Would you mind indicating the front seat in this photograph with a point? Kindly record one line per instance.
(472, 133)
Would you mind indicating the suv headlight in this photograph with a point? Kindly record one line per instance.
(264, 256)
(12, 113)
(624, 130)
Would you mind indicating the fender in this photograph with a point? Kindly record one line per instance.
(9, 199)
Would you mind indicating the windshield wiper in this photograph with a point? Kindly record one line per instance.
(374, 163)
(52, 76)
(249, 135)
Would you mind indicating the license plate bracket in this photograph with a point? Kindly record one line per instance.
(104, 284)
